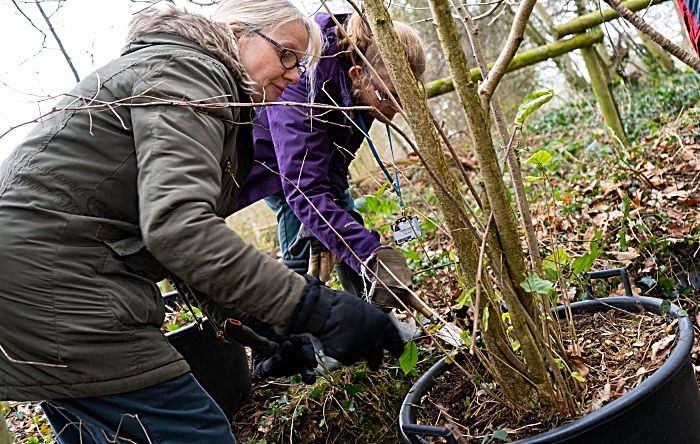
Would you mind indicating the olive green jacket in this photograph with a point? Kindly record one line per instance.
(104, 198)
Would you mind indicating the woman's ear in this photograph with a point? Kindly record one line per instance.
(234, 26)
(355, 74)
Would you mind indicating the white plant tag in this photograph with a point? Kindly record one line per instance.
(403, 232)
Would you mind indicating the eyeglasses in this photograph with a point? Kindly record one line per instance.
(288, 57)
(380, 95)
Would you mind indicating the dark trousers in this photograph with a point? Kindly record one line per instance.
(175, 411)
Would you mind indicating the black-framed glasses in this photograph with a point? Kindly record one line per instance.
(288, 57)
(381, 96)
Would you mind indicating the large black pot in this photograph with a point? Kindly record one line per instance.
(665, 408)
(221, 368)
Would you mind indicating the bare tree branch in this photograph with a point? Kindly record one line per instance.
(654, 35)
(515, 38)
(55, 36)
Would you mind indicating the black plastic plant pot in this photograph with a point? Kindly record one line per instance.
(220, 368)
(665, 408)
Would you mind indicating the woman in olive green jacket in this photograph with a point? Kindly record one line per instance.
(128, 182)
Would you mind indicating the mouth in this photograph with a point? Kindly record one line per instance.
(278, 88)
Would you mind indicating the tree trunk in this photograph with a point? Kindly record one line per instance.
(601, 87)
(5, 437)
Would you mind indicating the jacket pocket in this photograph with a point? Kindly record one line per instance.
(129, 274)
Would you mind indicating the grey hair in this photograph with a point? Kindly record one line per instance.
(214, 37)
(247, 16)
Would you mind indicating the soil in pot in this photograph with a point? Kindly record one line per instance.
(618, 351)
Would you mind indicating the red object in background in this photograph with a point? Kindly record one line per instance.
(691, 13)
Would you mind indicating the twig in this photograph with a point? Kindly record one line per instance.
(477, 298)
(60, 44)
(515, 37)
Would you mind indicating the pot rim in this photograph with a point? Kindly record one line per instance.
(673, 364)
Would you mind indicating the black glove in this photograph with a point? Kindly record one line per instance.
(295, 355)
(348, 327)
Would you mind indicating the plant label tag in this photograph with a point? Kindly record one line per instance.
(406, 229)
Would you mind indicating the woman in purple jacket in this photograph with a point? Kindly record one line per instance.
(302, 163)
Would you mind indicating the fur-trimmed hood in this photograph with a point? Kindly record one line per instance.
(214, 37)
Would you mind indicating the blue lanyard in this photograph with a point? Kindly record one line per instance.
(394, 183)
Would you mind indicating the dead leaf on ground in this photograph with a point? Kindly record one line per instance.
(660, 349)
(621, 289)
(626, 257)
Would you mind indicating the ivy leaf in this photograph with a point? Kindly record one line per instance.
(681, 313)
(535, 284)
(647, 280)
(352, 389)
(541, 158)
(530, 103)
(665, 306)
(409, 357)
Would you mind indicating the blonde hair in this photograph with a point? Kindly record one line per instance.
(359, 33)
(247, 16)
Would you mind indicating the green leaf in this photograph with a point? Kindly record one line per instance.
(352, 389)
(466, 337)
(409, 357)
(322, 422)
(577, 376)
(298, 411)
(534, 179)
(465, 298)
(541, 158)
(535, 284)
(485, 319)
(681, 313)
(648, 281)
(410, 254)
(172, 327)
(556, 260)
(317, 391)
(584, 263)
(560, 363)
(361, 204)
(665, 306)
(530, 103)
(501, 434)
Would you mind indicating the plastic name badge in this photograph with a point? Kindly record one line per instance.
(405, 230)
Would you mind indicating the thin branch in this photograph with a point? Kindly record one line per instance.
(60, 44)
(682, 55)
(512, 44)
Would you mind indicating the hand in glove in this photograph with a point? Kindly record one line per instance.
(348, 327)
(276, 355)
(295, 355)
(321, 260)
(385, 262)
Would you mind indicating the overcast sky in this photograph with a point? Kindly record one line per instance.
(33, 69)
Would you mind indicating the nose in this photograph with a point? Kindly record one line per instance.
(292, 75)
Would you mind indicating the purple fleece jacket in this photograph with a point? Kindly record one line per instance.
(313, 154)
